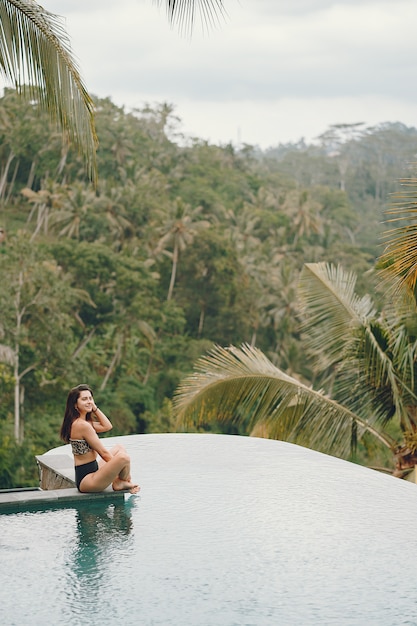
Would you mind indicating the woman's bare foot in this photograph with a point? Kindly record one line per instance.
(121, 485)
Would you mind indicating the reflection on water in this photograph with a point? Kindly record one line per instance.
(56, 563)
(228, 531)
(97, 526)
(103, 536)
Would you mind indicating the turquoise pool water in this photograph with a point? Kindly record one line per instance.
(227, 531)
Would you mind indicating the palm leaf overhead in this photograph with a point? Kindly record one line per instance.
(183, 13)
(36, 57)
(242, 385)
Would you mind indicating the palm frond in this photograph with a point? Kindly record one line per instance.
(399, 259)
(242, 385)
(35, 55)
(340, 325)
(332, 310)
(183, 13)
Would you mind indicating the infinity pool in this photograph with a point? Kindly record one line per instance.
(228, 531)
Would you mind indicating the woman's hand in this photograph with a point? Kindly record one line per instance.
(103, 424)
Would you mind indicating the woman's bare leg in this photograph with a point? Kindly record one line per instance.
(124, 474)
(110, 473)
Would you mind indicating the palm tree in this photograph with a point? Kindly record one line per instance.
(182, 226)
(364, 359)
(45, 200)
(305, 215)
(111, 205)
(75, 203)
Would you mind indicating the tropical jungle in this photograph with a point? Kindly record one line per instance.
(267, 262)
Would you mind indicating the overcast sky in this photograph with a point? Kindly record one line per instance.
(274, 71)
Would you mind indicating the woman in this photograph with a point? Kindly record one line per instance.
(80, 430)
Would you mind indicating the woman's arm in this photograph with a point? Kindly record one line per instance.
(102, 423)
(87, 432)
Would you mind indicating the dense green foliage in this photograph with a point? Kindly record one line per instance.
(181, 245)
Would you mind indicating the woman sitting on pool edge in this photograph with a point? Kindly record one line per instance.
(80, 430)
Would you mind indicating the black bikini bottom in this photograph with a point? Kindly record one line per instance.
(83, 470)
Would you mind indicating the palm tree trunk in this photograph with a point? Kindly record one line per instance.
(114, 361)
(31, 176)
(16, 395)
(12, 182)
(201, 320)
(3, 179)
(173, 271)
(42, 217)
(148, 370)
(83, 343)
(16, 361)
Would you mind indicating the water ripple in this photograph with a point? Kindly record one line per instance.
(228, 531)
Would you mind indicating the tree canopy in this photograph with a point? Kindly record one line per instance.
(96, 291)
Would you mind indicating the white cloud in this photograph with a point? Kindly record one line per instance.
(308, 62)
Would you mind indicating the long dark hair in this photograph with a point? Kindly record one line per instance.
(71, 412)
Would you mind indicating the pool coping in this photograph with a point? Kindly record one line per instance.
(22, 498)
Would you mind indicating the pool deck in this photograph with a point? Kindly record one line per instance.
(57, 486)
